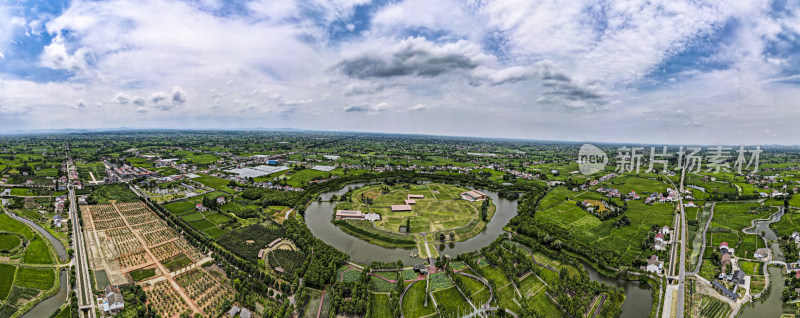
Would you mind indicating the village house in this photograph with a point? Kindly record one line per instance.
(796, 237)
(372, 217)
(199, 207)
(664, 230)
(57, 220)
(113, 301)
(654, 265)
(761, 253)
(659, 242)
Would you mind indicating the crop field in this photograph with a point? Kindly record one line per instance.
(138, 231)
(105, 193)
(790, 222)
(165, 300)
(248, 240)
(734, 217)
(439, 281)
(7, 224)
(6, 279)
(624, 240)
(380, 285)
(300, 179)
(428, 214)
(39, 278)
(38, 252)
(475, 290)
(627, 183)
(709, 307)
(380, 306)
(9, 241)
(204, 289)
(454, 304)
(214, 182)
(287, 259)
(142, 274)
(413, 301)
(176, 262)
(752, 268)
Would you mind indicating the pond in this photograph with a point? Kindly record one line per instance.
(319, 214)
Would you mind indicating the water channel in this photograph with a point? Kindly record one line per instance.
(319, 214)
(771, 304)
(48, 306)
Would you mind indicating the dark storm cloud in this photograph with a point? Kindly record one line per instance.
(407, 61)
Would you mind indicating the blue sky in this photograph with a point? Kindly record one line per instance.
(629, 70)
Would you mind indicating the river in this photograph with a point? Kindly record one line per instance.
(48, 306)
(60, 250)
(319, 214)
(771, 304)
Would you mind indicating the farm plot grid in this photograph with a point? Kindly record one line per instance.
(125, 238)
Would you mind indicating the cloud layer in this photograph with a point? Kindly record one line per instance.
(622, 70)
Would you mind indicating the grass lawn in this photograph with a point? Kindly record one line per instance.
(37, 252)
(413, 301)
(39, 278)
(176, 262)
(6, 279)
(21, 192)
(455, 305)
(380, 306)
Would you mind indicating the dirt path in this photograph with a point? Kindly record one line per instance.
(160, 266)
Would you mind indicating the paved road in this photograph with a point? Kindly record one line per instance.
(683, 241)
(85, 295)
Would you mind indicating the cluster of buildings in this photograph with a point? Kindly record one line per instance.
(241, 312)
(113, 302)
(659, 241)
(356, 215)
(130, 172)
(473, 195)
(654, 265)
(672, 196)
